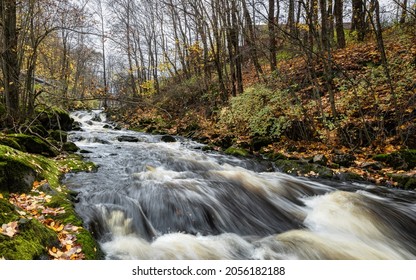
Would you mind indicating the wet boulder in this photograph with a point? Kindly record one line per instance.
(70, 147)
(126, 138)
(76, 126)
(168, 138)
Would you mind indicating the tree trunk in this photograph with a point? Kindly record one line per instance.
(9, 59)
(358, 19)
(251, 37)
(339, 23)
(327, 59)
(291, 17)
(272, 36)
(404, 12)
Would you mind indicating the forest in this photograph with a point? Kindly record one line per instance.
(321, 88)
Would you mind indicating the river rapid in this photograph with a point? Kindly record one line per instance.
(152, 199)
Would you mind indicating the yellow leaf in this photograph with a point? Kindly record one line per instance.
(1, 196)
(68, 247)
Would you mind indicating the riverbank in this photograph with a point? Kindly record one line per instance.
(37, 215)
(389, 165)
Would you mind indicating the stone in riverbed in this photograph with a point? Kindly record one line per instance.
(126, 138)
(168, 138)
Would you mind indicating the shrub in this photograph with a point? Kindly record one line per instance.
(259, 111)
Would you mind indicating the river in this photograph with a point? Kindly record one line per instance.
(152, 199)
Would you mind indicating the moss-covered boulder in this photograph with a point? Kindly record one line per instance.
(55, 118)
(15, 176)
(58, 135)
(299, 167)
(70, 147)
(400, 160)
(31, 240)
(234, 151)
(9, 141)
(34, 145)
(18, 169)
(404, 181)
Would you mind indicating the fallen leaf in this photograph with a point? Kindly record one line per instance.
(9, 229)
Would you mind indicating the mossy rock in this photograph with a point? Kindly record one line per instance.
(234, 151)
(404, 181)
(274, 156)
(400, 160)
(58, 135)
(9, 141)
(34, 145)
(350, 176)
(30, 242)
(409, 156)
(55, 118)
(15, 176)
(70, 147)
(43, 167)
(75, 163)
(33, 238)
(298, 167)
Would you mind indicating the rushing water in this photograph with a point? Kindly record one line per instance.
(155, 200)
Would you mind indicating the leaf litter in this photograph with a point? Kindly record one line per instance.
(33, 206)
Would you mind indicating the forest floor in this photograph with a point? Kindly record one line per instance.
(364, 101)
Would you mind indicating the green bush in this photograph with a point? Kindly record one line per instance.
(259, 111)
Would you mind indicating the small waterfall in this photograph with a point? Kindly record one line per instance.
(155, 200)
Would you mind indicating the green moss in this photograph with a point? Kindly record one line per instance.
(75, 163)
(15, 176)
(7, 213)
(90, 247)
(409, 156)
(234, 151)
(29, 243)
(33, 144)
(70, 147)
(33, 237)
(58, 135)
(404, 159)
(54, 118)
(8, 141)
(404, 181)
(298, 167)
(381, 157)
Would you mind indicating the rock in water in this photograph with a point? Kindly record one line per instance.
(168, 138)
(126, 138)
